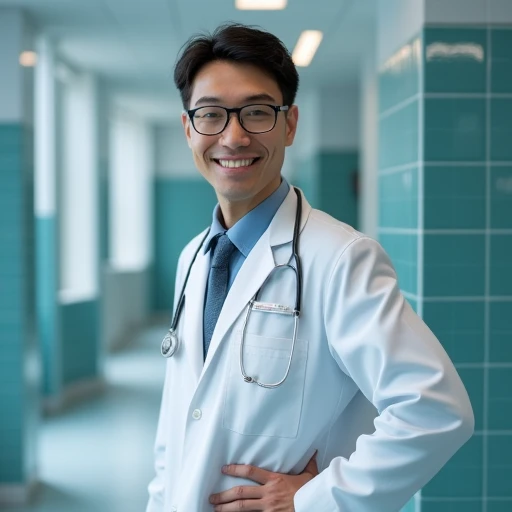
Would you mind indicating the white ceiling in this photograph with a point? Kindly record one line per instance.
(133, 44)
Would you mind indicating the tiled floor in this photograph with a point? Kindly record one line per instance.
(97, 456)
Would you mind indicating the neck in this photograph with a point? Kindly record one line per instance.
(233, 211)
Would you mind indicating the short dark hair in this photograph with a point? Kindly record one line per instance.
(234, 42)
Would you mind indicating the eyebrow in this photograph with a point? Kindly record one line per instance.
(213, 100)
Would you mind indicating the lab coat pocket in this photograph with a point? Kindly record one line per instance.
(254, 410)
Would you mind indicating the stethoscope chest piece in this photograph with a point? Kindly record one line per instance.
(169, 344)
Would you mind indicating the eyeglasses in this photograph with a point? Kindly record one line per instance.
(212, 120)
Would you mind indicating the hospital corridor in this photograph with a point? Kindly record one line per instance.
(97, 455)
(393, 120)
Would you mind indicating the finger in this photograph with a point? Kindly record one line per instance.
(253, 473)
(236, 506)
(312, 466)
(242, 492)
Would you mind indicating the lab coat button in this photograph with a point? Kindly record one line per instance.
(197, 414)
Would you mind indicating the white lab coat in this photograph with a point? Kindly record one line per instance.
(357, 338)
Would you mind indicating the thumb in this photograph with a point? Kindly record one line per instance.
(312, 466)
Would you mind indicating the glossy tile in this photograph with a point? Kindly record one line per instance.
(501, 197)
(398, 199)
(454, 197)
(473, 379)
(451, 505)
(501, 267)
(500, 332)
(462, 476)
(500, 399)
(459, 326)
(501, 63)
(398, 132)
(499, 466)
(399, 78)
(403, 251)
(454, 265)
(454, 129)
(501, 129)
(455, 60)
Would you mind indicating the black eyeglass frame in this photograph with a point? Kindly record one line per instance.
(237, 110)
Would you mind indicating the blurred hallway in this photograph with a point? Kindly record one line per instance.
(97, 455)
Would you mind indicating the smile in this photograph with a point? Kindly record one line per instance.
(234, 164)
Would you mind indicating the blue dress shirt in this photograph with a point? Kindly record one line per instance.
(248, 230)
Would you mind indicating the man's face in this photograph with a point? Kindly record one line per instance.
(235, 85)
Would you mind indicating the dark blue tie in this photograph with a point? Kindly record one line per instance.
(217, 287)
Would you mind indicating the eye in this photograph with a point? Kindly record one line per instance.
(257, 113)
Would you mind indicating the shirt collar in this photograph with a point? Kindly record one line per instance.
(248, 230)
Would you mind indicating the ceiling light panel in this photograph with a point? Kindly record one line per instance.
(260, 5)
(306, 47)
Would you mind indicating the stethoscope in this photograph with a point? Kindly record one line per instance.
(171, 342)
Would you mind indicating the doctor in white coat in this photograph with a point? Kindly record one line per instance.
(226, 443)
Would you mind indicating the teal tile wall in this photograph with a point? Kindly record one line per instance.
(183, 208)
(454, 266)
(80, 331)
(455, 60)
(501, 197)
(499, 466)
(454, 129)
(306, 178)
(337, 171)
(398, 199)
(460, 326)
(48, 322)
(462, 190)
(501, 60)
(462, 477)
(18, 404)
(398, 136)
(454, 197)
(501, 128)
(501, 265)
(399, 79)
(403, 251)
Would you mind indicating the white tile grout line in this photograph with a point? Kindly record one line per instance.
(452, 298)
(485, 454)
(398, 106)
(413, 231)
(431, 163)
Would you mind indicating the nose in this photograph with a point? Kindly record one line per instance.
(234, 136)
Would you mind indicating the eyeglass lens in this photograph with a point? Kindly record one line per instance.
(254, 118)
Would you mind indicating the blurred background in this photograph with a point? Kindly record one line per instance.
(405, 132)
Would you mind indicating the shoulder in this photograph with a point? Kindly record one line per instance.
(191, 248)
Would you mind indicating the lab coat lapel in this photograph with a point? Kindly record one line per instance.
(194, 307)
(256, 268)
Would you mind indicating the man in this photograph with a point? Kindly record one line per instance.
(260, 410)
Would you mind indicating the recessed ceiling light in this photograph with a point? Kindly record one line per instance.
(28, 59)
(306, 47)
(260, 5)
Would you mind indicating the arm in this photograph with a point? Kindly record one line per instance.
(424, 411)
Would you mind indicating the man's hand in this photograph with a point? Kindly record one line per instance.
(275, 494)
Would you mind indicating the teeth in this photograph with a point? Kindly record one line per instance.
(236, 163)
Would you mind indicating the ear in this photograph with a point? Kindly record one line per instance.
(292, 118)
(185, 121)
